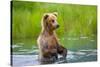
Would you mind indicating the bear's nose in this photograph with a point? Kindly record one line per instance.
(57, 26)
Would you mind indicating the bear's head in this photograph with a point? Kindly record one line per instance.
(50, 21)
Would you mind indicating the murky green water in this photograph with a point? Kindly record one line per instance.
(80, 49)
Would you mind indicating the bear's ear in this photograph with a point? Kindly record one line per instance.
(55, 13)
(46, 16)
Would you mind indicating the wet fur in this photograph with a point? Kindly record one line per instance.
(49, 46)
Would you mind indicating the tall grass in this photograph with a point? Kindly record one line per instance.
(74, 20)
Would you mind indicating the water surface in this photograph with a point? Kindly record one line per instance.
(80, 49)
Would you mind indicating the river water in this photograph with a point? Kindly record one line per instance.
(82, 49)
(73, 56)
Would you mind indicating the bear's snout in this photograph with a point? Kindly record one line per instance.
(57, 26)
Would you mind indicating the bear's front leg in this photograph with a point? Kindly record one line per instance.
(62, 51)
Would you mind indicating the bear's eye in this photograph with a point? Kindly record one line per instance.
(53, 21)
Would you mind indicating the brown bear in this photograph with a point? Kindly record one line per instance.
(49, 46)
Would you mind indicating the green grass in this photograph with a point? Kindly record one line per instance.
(74, 20)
